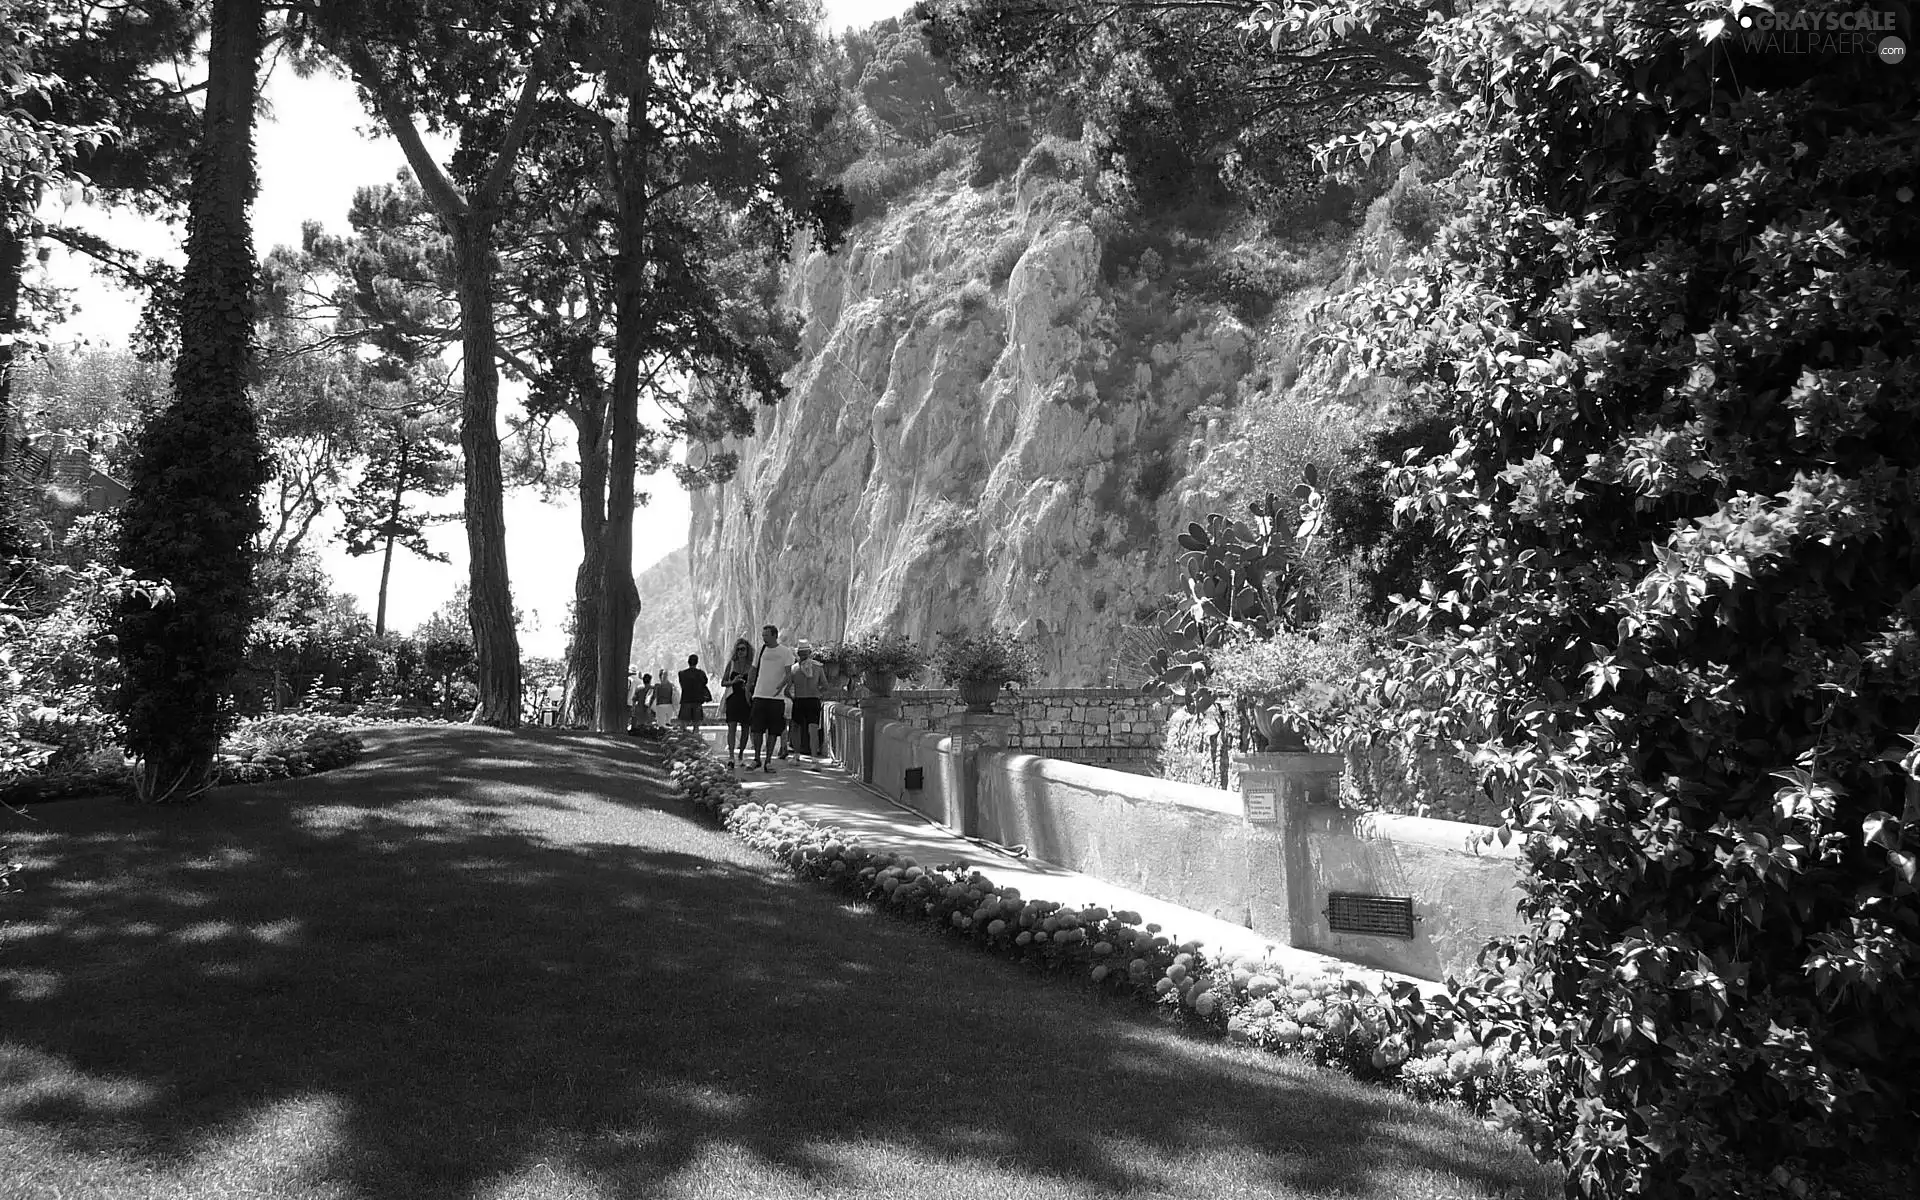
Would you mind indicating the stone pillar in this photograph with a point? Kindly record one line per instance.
(873, 710)
(972, 732)
(1277, 793)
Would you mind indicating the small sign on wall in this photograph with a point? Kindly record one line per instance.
(1261, 806)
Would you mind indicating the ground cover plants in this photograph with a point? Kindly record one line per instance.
(1433, 1047)
(282, 746)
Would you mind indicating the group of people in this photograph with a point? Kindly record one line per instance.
(772, 699)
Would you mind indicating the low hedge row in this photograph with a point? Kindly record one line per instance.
(1455, 1048)
(283, 746)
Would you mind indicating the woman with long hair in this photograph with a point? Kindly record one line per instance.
(737, 681)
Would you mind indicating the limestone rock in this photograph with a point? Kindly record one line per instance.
(960, 449)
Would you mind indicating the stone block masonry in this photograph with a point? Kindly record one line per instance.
(1117, 728)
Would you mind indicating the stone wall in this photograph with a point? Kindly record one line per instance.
(1208, 849)
(1116, 728)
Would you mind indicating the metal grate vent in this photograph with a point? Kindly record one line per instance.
(1380, 916)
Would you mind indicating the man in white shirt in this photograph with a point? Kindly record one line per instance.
(773, 672)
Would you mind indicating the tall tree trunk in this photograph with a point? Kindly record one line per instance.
(194, 507)
(393, 519)
(583, 652)
(386, 573)
(619, 598)
(469, 221)
(13, 267)
(490, 592)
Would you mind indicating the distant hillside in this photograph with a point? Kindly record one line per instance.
(666, 631)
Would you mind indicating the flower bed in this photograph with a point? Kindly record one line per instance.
(1465, 1048)
(283, 747)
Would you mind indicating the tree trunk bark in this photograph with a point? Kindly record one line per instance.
(393, 519)
(490, 592)
(195, 505)
(583, 652)
(619, 598)
(386, 573)
(13, 268)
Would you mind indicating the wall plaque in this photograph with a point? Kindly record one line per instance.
(1262, 807)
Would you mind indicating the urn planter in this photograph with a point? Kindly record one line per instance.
(1280, 735)
(979, 694)
(879, 683)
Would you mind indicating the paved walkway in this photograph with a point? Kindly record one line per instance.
(827, 794)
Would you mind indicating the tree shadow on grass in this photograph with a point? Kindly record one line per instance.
(474, 953)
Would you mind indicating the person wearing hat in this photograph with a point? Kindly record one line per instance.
(807, 682)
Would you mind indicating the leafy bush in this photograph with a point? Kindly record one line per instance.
(57, 668)
(875, 181)
(996, 655)
(1306, 675)
(892, 654)
(1672, 325)
(1243, 579)
(1002, 149)
(1005, 257)
(974, 298)
(1248, 292)
(1052, 158)
(284, 746)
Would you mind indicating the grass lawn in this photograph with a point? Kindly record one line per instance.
(500, 966)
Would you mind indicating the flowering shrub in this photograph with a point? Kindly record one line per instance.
(1466, 1048)
(1666, 343)
(997, 655)
(884, 653)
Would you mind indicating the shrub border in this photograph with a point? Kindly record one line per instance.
(1461, 1049)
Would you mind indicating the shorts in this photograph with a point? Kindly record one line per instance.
(769, 715)
(806, 710)
(691, 712)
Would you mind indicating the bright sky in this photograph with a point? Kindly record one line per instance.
(312, 157)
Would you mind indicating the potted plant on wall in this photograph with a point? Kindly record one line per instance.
(1290, 682)
(881, 659)
(832, 658)
(981, 664)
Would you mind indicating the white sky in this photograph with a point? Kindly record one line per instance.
(311, 158)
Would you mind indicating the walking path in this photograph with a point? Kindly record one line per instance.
(827, 794)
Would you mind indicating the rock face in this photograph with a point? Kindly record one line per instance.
(982, 429)
(665, 632)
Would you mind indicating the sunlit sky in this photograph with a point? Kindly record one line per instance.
(312, 156)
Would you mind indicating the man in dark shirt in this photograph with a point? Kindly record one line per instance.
(693, 692)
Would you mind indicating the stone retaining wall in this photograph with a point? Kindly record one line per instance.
(1207, 849)
(1116, 728)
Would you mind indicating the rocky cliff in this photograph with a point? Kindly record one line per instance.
(985, 426)
(665, 632)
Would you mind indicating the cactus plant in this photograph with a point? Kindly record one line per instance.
(1251, 577)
